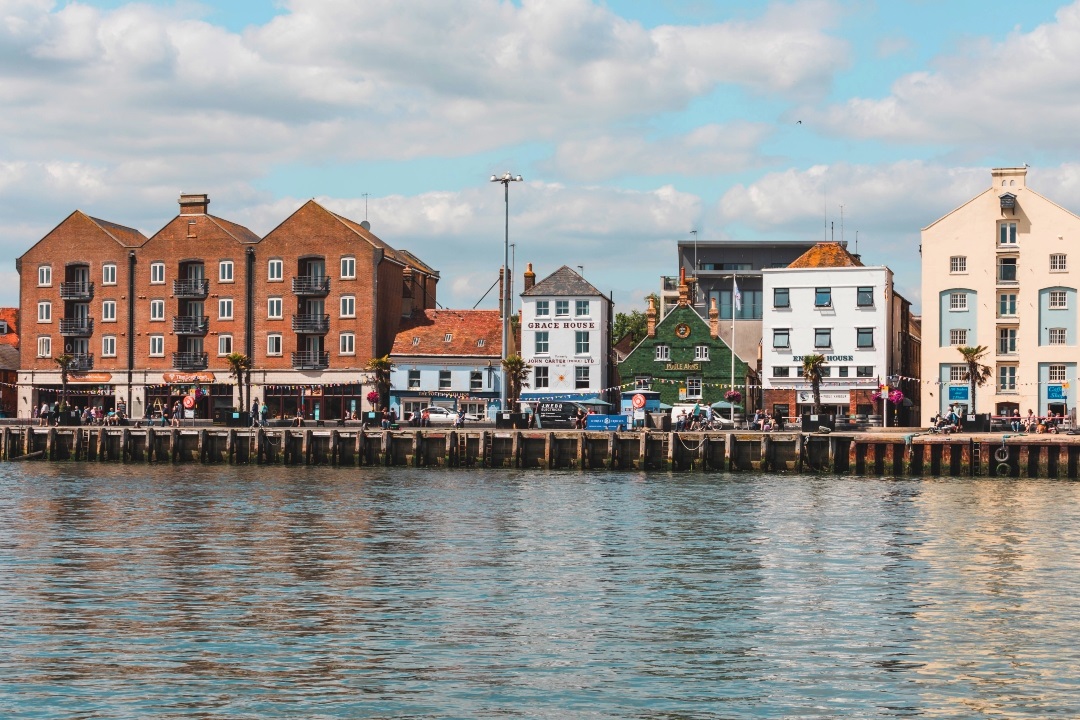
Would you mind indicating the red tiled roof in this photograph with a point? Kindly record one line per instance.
(826, 255)
(11, 315)
(425, 334)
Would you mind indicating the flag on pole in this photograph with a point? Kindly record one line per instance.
(737, 295)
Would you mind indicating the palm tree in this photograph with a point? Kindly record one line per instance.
(239, 367)
(380, 367)
(811, 368)
(516, 371)
(977, 373)
(65, 362)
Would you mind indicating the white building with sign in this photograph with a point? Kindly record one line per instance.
(828, 303)
(565, 330)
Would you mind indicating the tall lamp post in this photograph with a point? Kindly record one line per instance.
(506, 178)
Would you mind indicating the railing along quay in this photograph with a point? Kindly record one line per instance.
(881, 454)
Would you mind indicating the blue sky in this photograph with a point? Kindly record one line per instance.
(632, 122)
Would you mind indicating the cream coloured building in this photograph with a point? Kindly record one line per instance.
(1002, 270)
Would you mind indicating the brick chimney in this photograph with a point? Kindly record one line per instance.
(530, 278)
(714, 319)
(650, 316)
(191, 204)
(684, 291)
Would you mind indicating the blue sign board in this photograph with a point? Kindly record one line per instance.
(606, 422)
(958, 392)
(1055, 392)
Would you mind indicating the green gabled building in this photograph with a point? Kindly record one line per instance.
(684, 358)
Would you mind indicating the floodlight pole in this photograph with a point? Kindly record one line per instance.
(506, 178)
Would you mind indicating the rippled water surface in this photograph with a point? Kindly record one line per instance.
(195, 592)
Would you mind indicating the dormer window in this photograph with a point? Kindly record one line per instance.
(416, 341)
(448, 337)
(480, 342)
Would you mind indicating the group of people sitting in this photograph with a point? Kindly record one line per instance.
(765, 422)
(950, 422)
(699, 418)
(1032, 423)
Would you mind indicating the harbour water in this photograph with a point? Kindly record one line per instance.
(249, 592)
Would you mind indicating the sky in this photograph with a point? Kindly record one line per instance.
(632, 123)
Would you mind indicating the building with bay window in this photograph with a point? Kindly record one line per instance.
(996, 273)
(828, 303)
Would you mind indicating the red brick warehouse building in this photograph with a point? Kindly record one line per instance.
(150, 320)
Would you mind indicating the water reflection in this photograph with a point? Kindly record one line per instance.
(270, 592)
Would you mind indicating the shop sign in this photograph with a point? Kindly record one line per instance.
(828, 358)
(682, 366)
(1055, 392)
(958, 392)
(828, 397)
(175, 377)
(93, 377)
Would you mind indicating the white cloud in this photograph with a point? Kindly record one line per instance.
(1018, 94)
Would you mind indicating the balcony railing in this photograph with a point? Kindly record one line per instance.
(77, 290)
(311, 324)
(189, 360)
(190, 324)
(76, 327)
(193, 288)
(81, 362)
(310, 360)
(311, 285)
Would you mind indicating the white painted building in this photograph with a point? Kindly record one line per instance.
(828, 303)
(565, 329)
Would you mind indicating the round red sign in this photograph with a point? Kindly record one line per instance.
(638, 400)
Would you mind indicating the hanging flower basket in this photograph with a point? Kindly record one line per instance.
(895, 396)
(373, 398)
(733, 396)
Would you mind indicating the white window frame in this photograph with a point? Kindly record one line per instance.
(562, 308)
(1057, 336)
(693, 388)
(274, 308)
(157, 273)
(225, 272)
(348, 267)
(957, 373)
(347, 344)
(541, 343)
(958, 302)
(543, 308)
(1056, 373)
(44, 311)
(1059, 262)
(414, 379)
(581, 342)
(1006, 380)
(1058, 300)
(275, 270)
(159, 342)
(224, 344)
(273, 345)
(44, 346)
(108, 311)
(157, 311)
(108, 274)
(1007, 236)
(108, 346)
(781, 337)
(958, 337)
(446, 380)
(347, 306)
(581, 308)
(662, 353)
(958, 265)
(44, 275)
(225, 309)
(541, 378)
(476, 381)
(701, 353)
(582, 377)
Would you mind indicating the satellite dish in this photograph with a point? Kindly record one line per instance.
(365, 224)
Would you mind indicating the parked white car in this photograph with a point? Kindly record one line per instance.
(443, 416)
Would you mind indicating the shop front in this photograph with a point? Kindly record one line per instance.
(318, 402)
(196, 394)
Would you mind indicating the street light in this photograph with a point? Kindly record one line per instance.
(506, 178)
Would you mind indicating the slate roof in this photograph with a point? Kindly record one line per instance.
(564, 282)
(128, 237)
(9, 358)
(238, 232)
(826, 255)
(401, 256)
(425, 334)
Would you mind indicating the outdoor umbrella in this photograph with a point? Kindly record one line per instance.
(725, 405)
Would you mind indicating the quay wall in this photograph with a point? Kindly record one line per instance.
(881, 454)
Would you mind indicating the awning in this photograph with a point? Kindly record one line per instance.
(725, 405)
